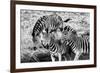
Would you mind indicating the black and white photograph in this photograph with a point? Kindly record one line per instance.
(53, 36)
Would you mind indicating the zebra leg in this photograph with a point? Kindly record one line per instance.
(52, 58)
(77, 56)
(69, 57)
(59, 56)
(65, 58)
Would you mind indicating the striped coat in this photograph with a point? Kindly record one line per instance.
(50, 22)
(78, 44)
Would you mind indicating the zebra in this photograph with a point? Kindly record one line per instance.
(44, 27)
(54, 46)
(56, 49)
(46, 23)
(79, 45)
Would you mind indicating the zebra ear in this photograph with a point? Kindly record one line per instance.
(67, 20)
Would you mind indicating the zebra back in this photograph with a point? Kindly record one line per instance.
(81, 44)
(77, 43)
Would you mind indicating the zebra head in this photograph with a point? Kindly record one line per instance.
(47, 35)
(68, 32)
(48, 23)
(57, 34)
(44, 38)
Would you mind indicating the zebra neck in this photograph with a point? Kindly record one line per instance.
(73, 37)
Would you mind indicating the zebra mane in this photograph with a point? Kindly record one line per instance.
(69, 29)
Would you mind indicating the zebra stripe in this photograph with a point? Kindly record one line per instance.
(57, 49)
(68, 31)
(50, 22)
(53, 47)
(39, 25)
(81, 45)
(78, 44)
